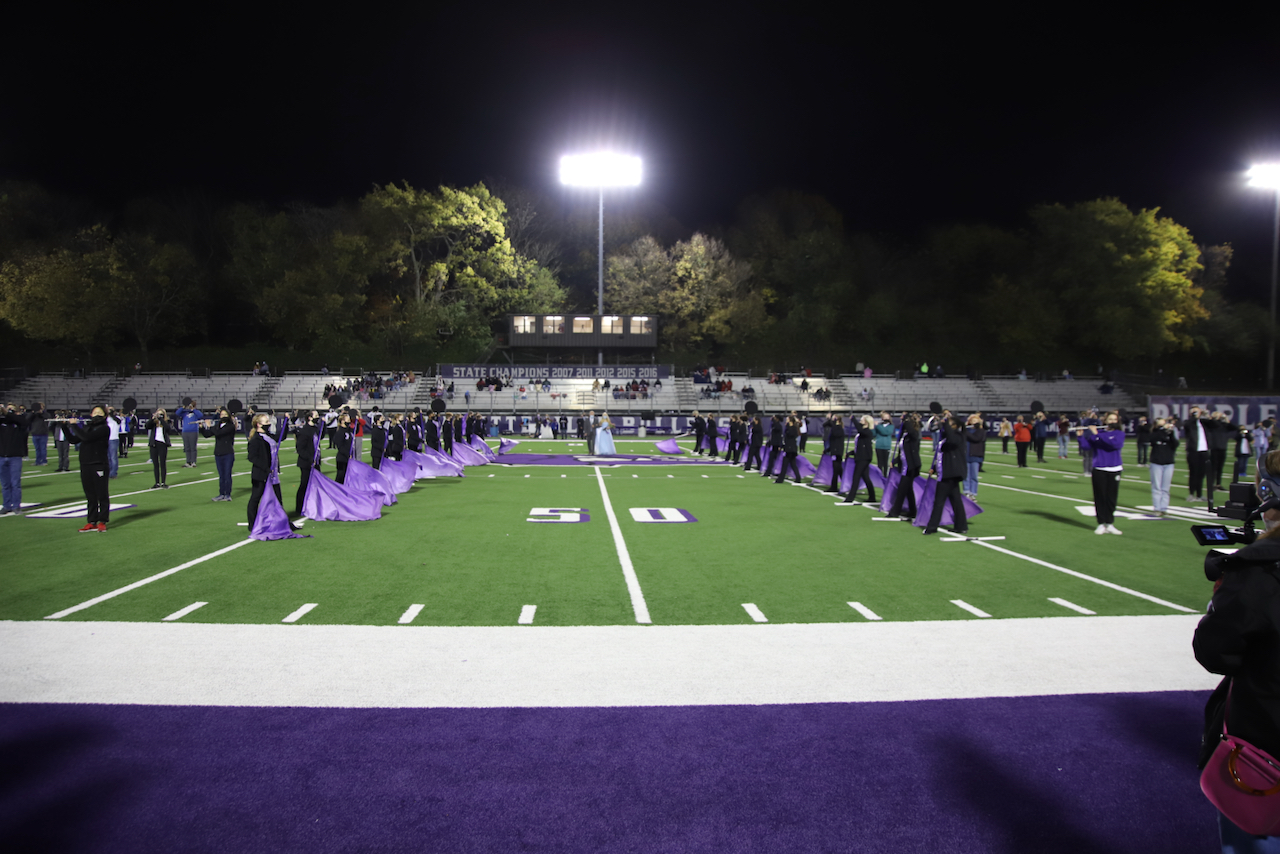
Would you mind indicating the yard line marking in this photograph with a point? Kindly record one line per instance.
(564, 475)
(1008, 477)
(706, 475)
(410, 615)
(888, 519)
(527, 475)
(977, 612)
(1081, 575)
(298, 614)
(1072, 476)
(635, 475)
(490, 475)
(1074, 607)
(754, 612)
(671, 475)
(114, 593)
(179, 614)
(739, 477)
(526, 615)
(865, 611)
(1039, 476)
(624, 557)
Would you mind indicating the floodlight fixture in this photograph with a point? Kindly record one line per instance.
(1266, 176)
(600, 170)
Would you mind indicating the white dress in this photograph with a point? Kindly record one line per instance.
(604, 442)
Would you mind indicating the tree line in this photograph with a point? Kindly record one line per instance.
(433, 273)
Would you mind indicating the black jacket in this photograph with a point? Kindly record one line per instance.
(953, 459)
(166, 430)
(835, 438)
(13, 435)
(911, 448)
(1240, 638)
(92, 439)
(864, 445)
(259, 453)
(976, 437)
(305, 443)
(223, 434)
(1163, 444)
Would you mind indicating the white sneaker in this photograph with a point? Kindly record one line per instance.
(1101, 529)
(1112, 529)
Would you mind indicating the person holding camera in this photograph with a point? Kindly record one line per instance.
(13, 447)
(92, 439)
(1107, 468)
(1239, 639)
(223, 433)
(159, 428)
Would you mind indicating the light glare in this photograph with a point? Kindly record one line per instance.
(603, 169)
(1265, 175)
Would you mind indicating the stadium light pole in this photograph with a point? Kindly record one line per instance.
(1266, 176)
(600, 170)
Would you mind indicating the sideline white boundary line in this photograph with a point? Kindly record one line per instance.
(1081, 575)
(624, 557)
(135, 585)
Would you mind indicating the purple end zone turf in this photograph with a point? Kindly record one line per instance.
(1083, 773)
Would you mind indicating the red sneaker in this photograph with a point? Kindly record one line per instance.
(87, 528)
(102, 527)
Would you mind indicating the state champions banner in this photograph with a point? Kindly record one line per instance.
(1239, 410)
(556, 372)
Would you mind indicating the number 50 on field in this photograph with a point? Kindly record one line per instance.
(639, 514)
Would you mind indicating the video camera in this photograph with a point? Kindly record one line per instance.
(1247, 502)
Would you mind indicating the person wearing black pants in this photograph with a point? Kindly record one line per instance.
(835, 449)
(863, 446)
(699, 430)
(1040, 434)
(259, 454)
(1220, 431)
(953, 472)
(92, 439)
(1196, 435)
(791, 450)
(377, 440)
(1142, 433)
(308, 447)
(223, 434)
(159, 428)
(909, 458)
(756, 441)
(344, 438)
(712, 437)
(776, 442)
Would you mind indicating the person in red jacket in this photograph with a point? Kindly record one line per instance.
(1022, 440)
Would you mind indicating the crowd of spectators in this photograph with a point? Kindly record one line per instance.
(371, 386)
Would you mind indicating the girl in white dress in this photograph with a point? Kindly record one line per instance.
(604, 437)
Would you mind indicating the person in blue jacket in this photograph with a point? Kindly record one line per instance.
(1107, 468)
(189, 418)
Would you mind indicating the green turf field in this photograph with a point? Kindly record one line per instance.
(465, 551)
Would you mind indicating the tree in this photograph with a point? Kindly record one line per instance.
(154, 288)
(1123, 283)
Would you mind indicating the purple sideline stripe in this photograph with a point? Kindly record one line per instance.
(1076, 773)
(611, 460)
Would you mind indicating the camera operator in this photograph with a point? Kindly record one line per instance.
(159, 428)
(13, 447)
(1239, 638)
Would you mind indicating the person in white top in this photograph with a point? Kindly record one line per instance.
(113, 443)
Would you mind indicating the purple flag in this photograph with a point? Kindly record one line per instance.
(669, 446)
(444, 459)
(505, 445)
(924, 501)
(365, 478)
(468, 455)
(823, 475)
(329, 501)
(430, 466)
(400, 474)
(272, 522)
(894, 484)
(483, 447)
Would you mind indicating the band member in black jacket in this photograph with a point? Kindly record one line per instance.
(699, 431)
(344, 438)
(308, 447)
(259, 454)
(777, 428)
(159, 428)
(863, 448)
(953, 472)
(791, 450)
(755, 440)
(433, 432)
(1195, 433)
(908, 459)
(1220, 431)
(835, 448)
(92, 439)
(395, 437)
(223, 433)
(378, 440)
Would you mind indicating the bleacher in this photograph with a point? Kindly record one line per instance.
(59, 391)
(152, 390)
(991, 394)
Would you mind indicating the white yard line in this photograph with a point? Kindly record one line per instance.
(1073, 606)
(135, 585)
(410, 615)
(865, 611)
(526, 615)
(1081, 575)
(179, 614)
(977, 612)
(754, 612)
(300, 613)
(624, 557)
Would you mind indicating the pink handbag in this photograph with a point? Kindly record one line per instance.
(1243, 782)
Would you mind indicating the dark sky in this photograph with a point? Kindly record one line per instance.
(902, 120)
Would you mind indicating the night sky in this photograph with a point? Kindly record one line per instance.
(903, 120)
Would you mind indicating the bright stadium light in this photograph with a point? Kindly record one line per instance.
(1266, 176)
(601, 169)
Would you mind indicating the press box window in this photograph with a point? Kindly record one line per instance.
(583, 324)
(611, 325)
(525, 324)
(552, 324)
(641, 326)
